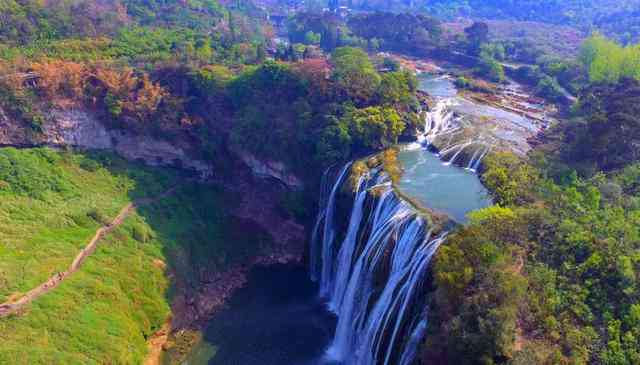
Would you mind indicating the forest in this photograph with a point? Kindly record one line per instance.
(549, 275)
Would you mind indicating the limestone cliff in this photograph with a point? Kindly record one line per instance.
(81, 129)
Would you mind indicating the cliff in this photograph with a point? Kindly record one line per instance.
(81, 129)
(246, 177)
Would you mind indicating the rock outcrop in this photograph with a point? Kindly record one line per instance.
(271, 169)
(81, 129)
(11, 133)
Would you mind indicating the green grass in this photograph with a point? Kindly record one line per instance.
(45, 197)
(103, 313)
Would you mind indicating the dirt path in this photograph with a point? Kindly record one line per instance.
(13, 306)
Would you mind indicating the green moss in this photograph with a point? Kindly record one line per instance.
(358, 169)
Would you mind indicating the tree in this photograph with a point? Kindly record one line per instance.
(261, 54)
(490, 68)
(354, 75)
(605, 60)
(611, 135)
(60, 78)
(396, 88)
(311, 38)
(549, 88)
(373, 128)
(510, 179)
(315, 72)
(477, 35)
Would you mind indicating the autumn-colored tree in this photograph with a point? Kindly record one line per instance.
(117, 82)
(126, 94)
(145, 101)
(57, 78)
(316, 72)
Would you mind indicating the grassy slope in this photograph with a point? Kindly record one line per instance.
(104, 312)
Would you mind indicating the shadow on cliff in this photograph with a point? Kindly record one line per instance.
(193, 224)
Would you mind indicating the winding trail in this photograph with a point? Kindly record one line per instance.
(54, 281)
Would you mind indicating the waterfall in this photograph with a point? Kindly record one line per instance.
(455, 155)
(325, 265)
(373, 276)
(477, 164)
(438, 120)
(473, 157)
(345, 255)
(314, 267)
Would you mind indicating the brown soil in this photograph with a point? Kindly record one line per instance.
(156, 343)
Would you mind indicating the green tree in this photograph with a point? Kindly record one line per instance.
(311, 38)
(510, 179)
(354, 74)
(373, 127)
(477, 35)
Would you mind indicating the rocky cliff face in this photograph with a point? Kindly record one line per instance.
(271, 169)
(10, 132)
(81, 129)
(251, 178)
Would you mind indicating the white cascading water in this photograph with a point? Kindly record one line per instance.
(473, 158)
(438, 120)
(441, 121)
(324, 267)
(348, 248)
(314, 252)
(476, 164)
(372, 275)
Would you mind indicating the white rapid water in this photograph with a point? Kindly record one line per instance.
(314, 262)
(438, 121)
(325, 266)
(441, 122)
(347, 249)
(373, 274)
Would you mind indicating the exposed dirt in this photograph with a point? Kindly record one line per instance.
(155, 345)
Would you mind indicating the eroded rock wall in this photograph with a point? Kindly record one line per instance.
(82, 129)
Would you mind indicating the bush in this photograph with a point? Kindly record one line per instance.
(33, 173)
(98, 216)
(90, 165)
(549, 88)
(140, 233)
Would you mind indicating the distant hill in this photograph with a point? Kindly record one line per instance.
(619, 19)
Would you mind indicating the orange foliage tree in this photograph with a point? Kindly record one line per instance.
(316, 72)
(127, 95)
(59, 79)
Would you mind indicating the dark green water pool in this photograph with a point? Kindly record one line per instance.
(276, 319)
